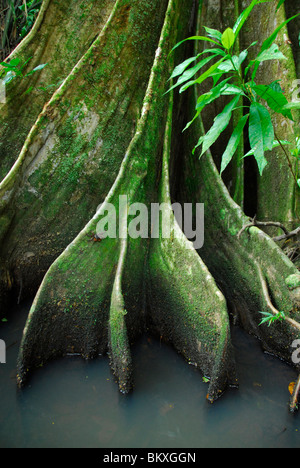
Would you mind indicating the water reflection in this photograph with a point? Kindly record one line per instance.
(73, 403)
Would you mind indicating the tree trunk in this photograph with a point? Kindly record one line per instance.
(109, 131)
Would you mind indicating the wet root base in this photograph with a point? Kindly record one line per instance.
(98, 297)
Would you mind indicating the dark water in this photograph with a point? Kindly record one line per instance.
(73, 403)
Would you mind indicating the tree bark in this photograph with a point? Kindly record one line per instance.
(110, 130)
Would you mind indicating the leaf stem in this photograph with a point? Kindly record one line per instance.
(288, 158)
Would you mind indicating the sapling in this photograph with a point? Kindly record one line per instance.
(232, 76)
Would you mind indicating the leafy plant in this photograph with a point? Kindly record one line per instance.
(270, 318)
(14, 69)
(230, 77)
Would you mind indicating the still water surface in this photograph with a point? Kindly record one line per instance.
(73, 403)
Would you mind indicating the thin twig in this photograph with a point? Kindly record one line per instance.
(294, 399)
(288, 159)
(256, 223)
(287, 236)
(273, 309)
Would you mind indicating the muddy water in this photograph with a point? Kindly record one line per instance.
(72, 403)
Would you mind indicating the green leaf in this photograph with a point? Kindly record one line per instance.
(221, 122)
(275, 85)
(276, 99)
(234, 62)
(275, 145)
(261, 133)
(29, 90)
(196, 38)
(180, 68)
(38, 68)
(212, 95)
(271, 318)
(242, 57)
(292, 105)
(231, 90)
(214, 33)
(25, 63)
(272, 53)
(226, 66)
(15, 62)
(203, 77)
(192, 121)
(188, 74)
(281, 2)
(8, 77)
(265, 320)
(183, 66)
(228, 38)
(268, 318)
(233, 142)
(215, 51)
(12, 64)
(267, 43)
(244, 16)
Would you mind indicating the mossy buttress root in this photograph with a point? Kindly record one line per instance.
(102, 288)
(236, 262)
(74, 150)
(98, 297)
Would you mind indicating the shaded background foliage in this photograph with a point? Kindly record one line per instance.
(16, 19)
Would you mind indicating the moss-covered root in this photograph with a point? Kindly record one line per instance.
(238, 262)
(81, 291)
(93, 297)
(74, 150)
(118, 343)
(62, 34)
(186, 307)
